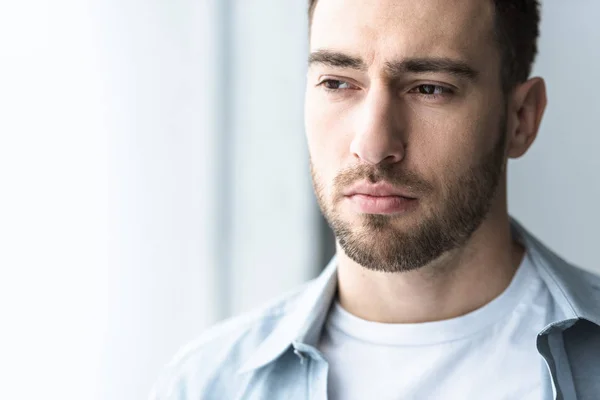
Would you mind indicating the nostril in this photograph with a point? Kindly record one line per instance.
(391, 159)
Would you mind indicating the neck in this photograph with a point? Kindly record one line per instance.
(457, 283)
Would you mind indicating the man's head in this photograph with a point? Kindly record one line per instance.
(412, 109)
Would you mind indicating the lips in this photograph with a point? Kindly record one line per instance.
(380, 198)
(379, 189)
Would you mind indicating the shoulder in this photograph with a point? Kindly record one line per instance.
(571, 275)
(579, 288)
(583, 287)
(576, 290)
(593, 278)
(589, 279)
(210, 363)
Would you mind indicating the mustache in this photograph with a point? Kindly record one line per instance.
(375, 174)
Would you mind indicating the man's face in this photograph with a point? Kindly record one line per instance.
(406, 125)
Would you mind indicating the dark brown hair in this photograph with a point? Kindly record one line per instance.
(516, 29)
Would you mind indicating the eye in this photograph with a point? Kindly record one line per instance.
(335, 84)
(432, 90)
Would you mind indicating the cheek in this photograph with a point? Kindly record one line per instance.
(443, 146)
(328, 136)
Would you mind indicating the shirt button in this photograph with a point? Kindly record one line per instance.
(300, 355)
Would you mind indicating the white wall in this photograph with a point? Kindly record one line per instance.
(154, 181)
(108, 224)
(275, 236)
(163, 283)
(53, 202)
(555, 188)
(210, 201)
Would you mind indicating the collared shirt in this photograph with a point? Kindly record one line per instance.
(272, 353)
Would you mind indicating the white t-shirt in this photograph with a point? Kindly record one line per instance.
(489, 353)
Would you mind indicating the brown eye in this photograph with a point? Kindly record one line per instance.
(431, 90)
(334, 84)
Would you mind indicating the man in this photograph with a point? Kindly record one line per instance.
(412, 110)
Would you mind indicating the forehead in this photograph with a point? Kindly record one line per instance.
(377, 30)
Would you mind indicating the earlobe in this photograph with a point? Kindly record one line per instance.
(529, 104)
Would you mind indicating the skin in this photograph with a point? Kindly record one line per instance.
(375, 117)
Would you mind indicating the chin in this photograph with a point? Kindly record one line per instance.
(388, 222)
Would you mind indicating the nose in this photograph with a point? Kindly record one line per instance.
(378, 130)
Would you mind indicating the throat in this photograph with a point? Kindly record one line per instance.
(456, 284)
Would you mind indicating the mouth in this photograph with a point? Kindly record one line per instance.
(380, 198)
(382, 205)
(379, 189)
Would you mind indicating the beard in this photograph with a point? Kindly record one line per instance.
(378, 244)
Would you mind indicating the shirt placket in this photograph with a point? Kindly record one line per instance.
(318, 369)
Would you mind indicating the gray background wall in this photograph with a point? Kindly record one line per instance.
(555, 188)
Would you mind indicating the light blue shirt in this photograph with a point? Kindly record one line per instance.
(272, 353)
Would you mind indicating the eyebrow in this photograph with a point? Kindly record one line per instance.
(437, 64)
(398, 68)
(336, 59)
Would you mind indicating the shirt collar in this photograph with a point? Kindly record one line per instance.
(576, 292)
(303, 324)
